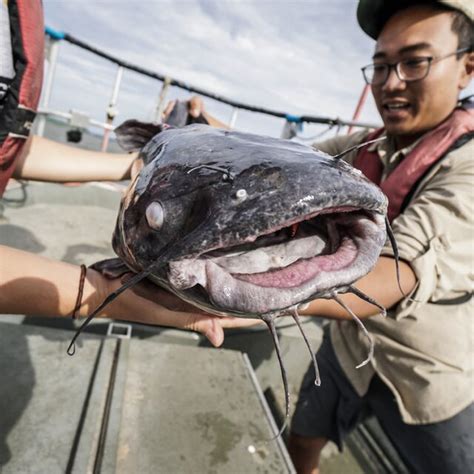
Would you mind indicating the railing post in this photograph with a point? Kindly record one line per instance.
(233, 117)
(160, 106)
(52, 56)
(111, 109)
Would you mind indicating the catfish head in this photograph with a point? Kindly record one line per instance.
(245, 225)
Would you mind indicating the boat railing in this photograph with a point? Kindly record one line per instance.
(292, 123)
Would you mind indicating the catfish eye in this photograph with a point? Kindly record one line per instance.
(155, 215)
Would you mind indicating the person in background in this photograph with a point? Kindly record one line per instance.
(419, 384)
(34, 285)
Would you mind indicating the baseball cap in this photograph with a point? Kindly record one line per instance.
(373, 14)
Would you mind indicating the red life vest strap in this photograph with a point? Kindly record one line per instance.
(433, 147)
(21, 101)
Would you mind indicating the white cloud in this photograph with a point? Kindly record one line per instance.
(300, 57)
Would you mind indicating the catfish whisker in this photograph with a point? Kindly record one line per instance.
(363, 296)
(394, 245)
(356, 147)
(364, 330)
(270, 321)
(295, 315)
(132, 282)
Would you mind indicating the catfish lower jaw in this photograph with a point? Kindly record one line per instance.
(271, 278)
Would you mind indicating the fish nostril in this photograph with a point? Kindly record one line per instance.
(155, 215)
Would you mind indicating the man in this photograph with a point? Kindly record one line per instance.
(419, 384)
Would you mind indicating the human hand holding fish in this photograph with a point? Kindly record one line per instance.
(177, 313)
(52, 286)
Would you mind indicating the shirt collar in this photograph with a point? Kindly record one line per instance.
(387, 151)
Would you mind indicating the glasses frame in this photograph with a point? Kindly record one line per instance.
(396, 67)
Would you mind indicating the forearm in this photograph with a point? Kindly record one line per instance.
(35, 285)
(47, 160)
(213, 122)
(380, 284)
(38, 286)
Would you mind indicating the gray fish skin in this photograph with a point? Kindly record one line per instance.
(196, 174)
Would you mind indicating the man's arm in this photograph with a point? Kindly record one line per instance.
(46, 160)
(380, 284)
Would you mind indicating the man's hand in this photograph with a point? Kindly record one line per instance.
(196, 108)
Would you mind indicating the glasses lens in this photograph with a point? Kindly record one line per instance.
(414, 69)
(375, 73)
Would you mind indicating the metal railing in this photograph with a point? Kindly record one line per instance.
(53, 41)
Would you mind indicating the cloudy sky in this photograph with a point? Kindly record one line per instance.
(297, 56)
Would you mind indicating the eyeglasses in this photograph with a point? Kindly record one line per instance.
(408, 70)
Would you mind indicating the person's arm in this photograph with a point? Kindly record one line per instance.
(213, 122)
(46, 160)
(34, 285)
(340, 143)
(380, 284)
(196, 108)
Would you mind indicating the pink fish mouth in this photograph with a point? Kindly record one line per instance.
(293, 264)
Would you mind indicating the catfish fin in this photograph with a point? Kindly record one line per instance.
(133, 135)
(111, 267)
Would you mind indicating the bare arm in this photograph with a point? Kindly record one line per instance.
(38, 286)
(46, 160)
(380, 284)
(213, 122)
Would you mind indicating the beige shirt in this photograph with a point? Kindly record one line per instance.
(423, 350)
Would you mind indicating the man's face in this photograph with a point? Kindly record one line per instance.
(408, 109)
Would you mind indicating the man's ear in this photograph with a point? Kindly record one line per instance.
(468, 71)
(133, 135)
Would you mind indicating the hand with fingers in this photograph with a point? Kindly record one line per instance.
(180, 113)
(150, 304)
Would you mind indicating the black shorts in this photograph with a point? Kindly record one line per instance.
(332, 410)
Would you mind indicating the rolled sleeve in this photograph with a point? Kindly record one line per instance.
(335, 145)
(434, 236)
(424, 267)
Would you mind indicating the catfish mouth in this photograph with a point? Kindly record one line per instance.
(291, 264)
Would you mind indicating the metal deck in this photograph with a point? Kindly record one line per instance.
(128, 405)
